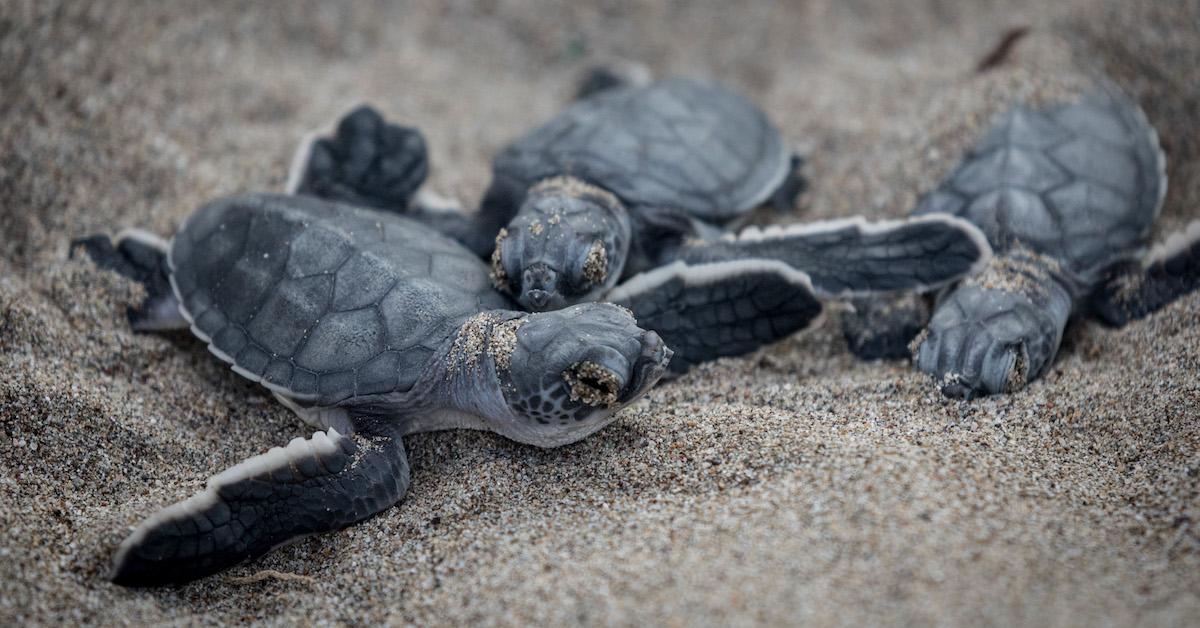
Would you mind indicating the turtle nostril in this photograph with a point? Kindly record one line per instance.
(537, 298)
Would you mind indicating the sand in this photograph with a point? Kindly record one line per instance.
(793, 486)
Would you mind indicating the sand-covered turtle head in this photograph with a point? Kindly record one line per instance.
(570, 370)
(567, 245)
(999, 330)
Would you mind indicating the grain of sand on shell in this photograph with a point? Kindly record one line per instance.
(796, 485)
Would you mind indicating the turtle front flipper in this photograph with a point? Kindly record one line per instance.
(721, 309)
(142, 257)
(1137, 290)
(367, 162)
(370, 162)
(854, 257)
(312, 485)
(783, 199)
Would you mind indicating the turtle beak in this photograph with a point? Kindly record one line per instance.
(537, 299)
(650, 365)
(539, 288)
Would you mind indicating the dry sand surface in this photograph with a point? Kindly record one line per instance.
(796, 485)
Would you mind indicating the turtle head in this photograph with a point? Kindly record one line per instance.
(999, 330)
(566, 245)
(567, 372)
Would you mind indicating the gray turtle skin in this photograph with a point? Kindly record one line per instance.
(655, 174)
(679, 143)
(1067, 195)
(366, 162)
(634, 181)
(370, 326)
(683, 156)
(1081, 183)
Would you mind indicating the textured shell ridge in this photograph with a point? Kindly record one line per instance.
(1081, 182)
(678, 143)
(343, 303)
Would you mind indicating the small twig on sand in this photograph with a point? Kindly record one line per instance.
(271, 574)
(1003, 49)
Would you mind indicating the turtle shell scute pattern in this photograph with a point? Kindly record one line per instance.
(1082, 183)
(322, 301)
(679, 143)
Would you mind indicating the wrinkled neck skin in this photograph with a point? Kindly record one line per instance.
(463, 387)
(1039, 278)
(459, 388)
(1033, 260)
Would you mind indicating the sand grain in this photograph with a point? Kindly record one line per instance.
(795, 485)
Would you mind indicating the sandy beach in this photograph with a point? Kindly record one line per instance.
(794, 486)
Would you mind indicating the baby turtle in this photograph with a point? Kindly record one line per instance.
(370, 326)
(646, 179)
(1067, 194)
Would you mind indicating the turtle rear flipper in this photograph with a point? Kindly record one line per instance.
(783, 199)
(370, 162)
(367, 162)
(611, 76)
(1134, 291)
(708, 311)
(854, 257)
(312, 485)
(142, 257)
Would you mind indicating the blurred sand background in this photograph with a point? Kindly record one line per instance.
(792, 486)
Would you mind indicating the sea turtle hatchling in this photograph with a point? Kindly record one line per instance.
(646, 179)
(1067, 194)
(370, 326)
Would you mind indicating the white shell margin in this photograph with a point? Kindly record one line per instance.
(1139, 115)
(1173, 245)
(1161, 161)
(207, 340)
(299, 160)
(321, 444)
(152, 240)
(782, 169)
(1179, 240)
